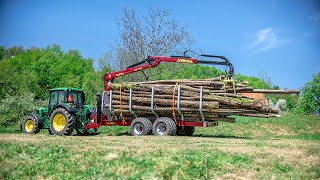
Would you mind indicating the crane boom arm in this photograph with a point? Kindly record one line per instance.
(154, 61)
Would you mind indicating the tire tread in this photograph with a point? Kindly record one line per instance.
(145, 122)
(171, 125)
(36, 128)
(71, 121)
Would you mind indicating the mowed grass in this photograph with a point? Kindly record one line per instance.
(254, 148)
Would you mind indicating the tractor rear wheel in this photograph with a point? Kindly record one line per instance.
(185, 130)
(164, 126)
(62, 122)
(140, 126)
(30, 125)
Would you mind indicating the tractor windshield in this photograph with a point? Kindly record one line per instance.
(78, 97)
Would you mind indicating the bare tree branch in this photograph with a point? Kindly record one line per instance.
(154, 33)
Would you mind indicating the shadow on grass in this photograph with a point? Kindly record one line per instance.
(87, 134)
(126, 133)
(104, 133)
(116, 134)
(123, 134)
(221, 136)
(195, 135)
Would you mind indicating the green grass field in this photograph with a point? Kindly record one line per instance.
(251, 148)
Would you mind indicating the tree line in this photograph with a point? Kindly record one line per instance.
(27, 75)
(36, 70)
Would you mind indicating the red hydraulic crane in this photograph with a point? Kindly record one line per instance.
(154, 61)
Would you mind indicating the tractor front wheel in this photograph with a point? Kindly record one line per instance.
(30, 125)
(62, 122)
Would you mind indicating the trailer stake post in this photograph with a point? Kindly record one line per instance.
(130, 104)
(200, 107)
(152, 103)
(178, 104)
(110, 104)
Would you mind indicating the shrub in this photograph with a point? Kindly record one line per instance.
(291, 100)
(309, 103)
(13, 109)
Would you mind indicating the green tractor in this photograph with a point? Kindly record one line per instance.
(66, 111)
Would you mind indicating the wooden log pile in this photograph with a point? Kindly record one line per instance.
(218, 101)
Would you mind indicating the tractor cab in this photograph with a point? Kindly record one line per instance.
(67, 96)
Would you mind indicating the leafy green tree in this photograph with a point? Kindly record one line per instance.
(32, 72)
(13, 51)
(291, 100)
(14, 108)
(310, 99)
(2, 52)
(37, 70)
(254, 82)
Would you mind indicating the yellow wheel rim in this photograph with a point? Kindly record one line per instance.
(59, 122)
(28, 126)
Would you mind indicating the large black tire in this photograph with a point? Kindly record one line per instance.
(164, 126)
(30, 125)
(185, 130)
(140, 126)
(62, 122)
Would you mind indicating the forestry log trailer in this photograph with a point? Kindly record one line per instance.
(153, 124)
(67, 109)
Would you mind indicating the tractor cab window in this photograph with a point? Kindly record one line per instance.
(56, 97)
(78, 97)
(53, 98)
(61, 98)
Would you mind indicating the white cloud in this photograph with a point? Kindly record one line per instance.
(266, 39)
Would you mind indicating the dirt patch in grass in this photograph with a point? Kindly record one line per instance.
(237, 175)
(291, 151)
(278, 131)
(19, 137)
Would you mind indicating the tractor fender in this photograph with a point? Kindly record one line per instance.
(70, 109)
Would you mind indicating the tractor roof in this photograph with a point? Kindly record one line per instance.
(66, 89)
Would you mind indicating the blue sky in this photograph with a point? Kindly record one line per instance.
(278, 38)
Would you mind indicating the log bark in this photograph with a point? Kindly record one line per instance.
(232, 102)
(224, 119)
(216, 100)
(167, 102)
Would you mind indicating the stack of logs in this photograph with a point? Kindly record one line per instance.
(218, 101)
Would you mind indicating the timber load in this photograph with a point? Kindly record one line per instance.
(214, 99)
